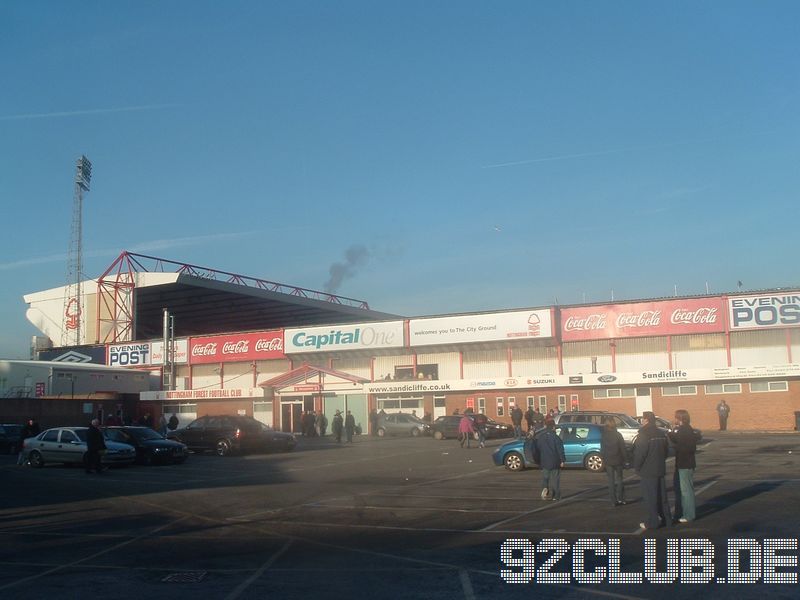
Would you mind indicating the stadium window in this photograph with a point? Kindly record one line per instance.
(769, 386)
(723, 388)
(482, 405)
(562, 403)
(500, 407)
(531, 400)
(543, 404)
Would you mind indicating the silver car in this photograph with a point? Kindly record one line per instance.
(402, 424)
(68, 445)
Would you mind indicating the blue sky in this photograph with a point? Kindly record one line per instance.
(488, 155)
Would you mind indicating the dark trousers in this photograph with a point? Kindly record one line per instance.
(654, 495)
(92, 461)
(616, 487)
(723, 422)
(676, 489)
(349, 433)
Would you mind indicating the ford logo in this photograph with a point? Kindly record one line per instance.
(607, 378)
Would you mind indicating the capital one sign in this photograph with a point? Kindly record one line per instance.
(262, 345)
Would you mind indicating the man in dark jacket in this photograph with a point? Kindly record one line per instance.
(551, 450)
(650, 461)
(94, 445)
(338, 425)
(516, 420)
(615, 455)
(529, 416)
(349, 426)
(684, 439)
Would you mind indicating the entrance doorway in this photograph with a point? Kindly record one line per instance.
(291, 417)
(439, 406)
(644, 401)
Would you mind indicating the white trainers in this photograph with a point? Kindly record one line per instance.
(544, 493)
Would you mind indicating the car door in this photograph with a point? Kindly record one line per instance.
(70, 448)
(572, 446)
(47, 445)
(403, 425)
(192, 434)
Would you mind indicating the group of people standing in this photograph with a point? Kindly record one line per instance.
(650, 452)
(313, 424)
(346, 425)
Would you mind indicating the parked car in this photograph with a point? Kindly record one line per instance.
(664, 424)
(626, 424)
(447, 427)
(229, 434)
(402, 424)
(151, 447)
(10, 438)
(68, 445)
(581, 448)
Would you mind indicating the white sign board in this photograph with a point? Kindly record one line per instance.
(489, 327)
(770, 310)
(363, 336)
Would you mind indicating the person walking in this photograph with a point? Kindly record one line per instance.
(173, 422)
(95, 446)
(615, 455)
(516, 420)
(466, 429)
(650, 461)
(480, 422)
(723, 410)
(684, 439)
(550, 448)
(29, 430)
(337, 426)
(373, 422)
(529, 418)
(349, 426)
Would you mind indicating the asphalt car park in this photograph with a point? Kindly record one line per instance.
(382, 518)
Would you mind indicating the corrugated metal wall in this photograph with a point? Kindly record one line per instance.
(485, 363)
(577, 356)
(638, 354)
(354, 365)
(447, 361)
(238, 375)
(534, 361)
(699, 351)
(385, 365)
(761, 347)
(795, 340)
(205, 376)
(267, 369)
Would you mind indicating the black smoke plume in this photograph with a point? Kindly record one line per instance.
(355, 256)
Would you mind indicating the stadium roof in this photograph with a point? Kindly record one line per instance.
(206, 301)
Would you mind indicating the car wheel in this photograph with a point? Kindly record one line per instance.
(415, 432)
(438, 435)
(222, 448)
(35, 459)
(381, 432)
(593, 462)
(513, 461)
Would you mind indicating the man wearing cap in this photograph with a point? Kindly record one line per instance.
(650, 461)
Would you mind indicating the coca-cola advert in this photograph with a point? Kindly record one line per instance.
(670, 317)
(263, 345)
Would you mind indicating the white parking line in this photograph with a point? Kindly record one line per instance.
(259, 572)
(466, 585)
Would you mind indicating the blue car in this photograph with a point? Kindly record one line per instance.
(581, 447)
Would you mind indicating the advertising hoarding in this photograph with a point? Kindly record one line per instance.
(764, 311)
(668, 317)
(363, 336)
(489, 327)
(261, 345)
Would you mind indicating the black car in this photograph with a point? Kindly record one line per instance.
(10, 438)
(151, 447)
(228, 434)
(447, 427)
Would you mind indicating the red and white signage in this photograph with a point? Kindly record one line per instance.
(263, 345)
(670, 317)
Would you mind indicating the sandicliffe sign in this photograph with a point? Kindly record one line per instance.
(364, 336)
(486, 327)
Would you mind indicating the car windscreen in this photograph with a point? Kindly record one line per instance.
(144, 433)
(116, 435)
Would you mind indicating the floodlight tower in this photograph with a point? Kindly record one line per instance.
(73, 298)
